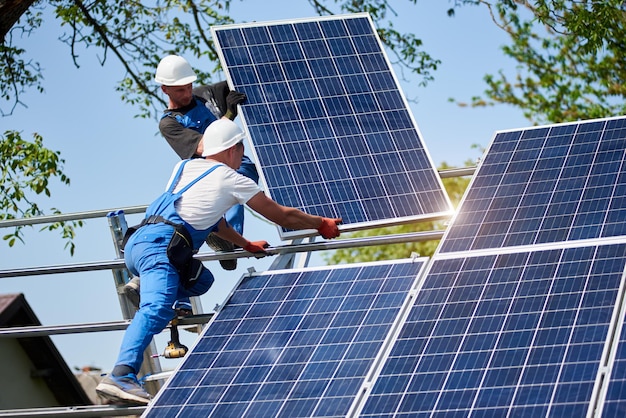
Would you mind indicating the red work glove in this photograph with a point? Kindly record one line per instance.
(257, 248)
(328, 229)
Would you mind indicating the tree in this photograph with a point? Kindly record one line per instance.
(571, 59)
(26, 169)
(455, 187)
(138, 35)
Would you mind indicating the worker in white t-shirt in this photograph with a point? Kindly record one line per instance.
(199, 193)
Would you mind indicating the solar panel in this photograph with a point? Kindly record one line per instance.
(545, 184)
(521, 334)
(291, 343)
(522, 307)
(330, 128)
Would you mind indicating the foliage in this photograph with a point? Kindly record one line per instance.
(455, 187)
(571, 59)
(16, 73)
(26, 169)
(137, 35)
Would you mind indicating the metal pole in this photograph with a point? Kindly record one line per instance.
(457, 172)
(42, 330)
(75, 411)
(209, 256)
(92, 214)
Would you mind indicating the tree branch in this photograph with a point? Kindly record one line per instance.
(10, 13)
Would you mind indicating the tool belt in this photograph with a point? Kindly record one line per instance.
(180, 250)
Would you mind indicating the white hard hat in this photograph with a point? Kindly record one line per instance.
(221, 135)
(174, 70)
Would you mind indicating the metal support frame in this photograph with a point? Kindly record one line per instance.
(41, 330)
(75, 411)
(295, 247)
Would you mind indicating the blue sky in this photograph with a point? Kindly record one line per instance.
(115, 160)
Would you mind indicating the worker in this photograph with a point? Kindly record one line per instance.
(190, 111)
(182, 124)
(199, 193)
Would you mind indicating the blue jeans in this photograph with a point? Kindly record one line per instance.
(146, 257)
(234, 216)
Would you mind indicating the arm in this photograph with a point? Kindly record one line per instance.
(184, 141)
(293, 218)
(225, 99)
(225, 231)
(215, 93)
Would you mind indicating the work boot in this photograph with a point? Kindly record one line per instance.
(218, 244)
(123, 390)
(183, 308)
(131, 291)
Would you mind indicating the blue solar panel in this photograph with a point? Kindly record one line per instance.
(330, 128)
(521, 308)
(516, 334)
(291, 343)
(545, 184)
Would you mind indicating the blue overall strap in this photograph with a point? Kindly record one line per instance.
(191, 183)
(200, 177)
(177, 176)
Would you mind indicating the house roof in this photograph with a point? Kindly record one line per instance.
(48, 364)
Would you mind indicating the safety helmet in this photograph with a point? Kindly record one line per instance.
(174, 70)
(221, 135)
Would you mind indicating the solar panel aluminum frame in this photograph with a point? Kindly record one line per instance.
(385, 346)
(445, 213)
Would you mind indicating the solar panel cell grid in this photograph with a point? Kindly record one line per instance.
(291, 343)
(545, 185)
(505, 335)
(499, 326)
(325, 114)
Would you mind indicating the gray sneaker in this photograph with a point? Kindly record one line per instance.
(123, 390)
(218, 244)
(131, 290)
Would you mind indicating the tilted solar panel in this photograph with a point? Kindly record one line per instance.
(521, 334)
(330, 128)
(292, 343)
(522, 307)
(545, 184)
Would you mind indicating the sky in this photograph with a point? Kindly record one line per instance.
(115, 160)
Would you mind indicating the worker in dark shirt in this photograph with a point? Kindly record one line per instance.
(190, 111)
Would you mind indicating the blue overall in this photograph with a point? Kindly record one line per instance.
(145, 255)
(198, 119)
